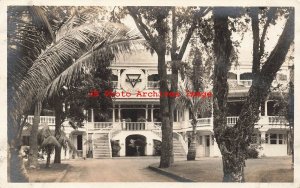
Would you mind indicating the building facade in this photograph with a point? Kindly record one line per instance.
(134, 127)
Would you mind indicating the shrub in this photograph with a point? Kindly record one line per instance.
(115, 147)
(252, 152)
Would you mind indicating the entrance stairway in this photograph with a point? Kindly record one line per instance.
(101, 146)
(178, 150)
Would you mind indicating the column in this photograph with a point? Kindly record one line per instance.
(146, 114)
(146, 78)
(92, 115)
(266, 108)
(119, 113)
(177, 114)
(113, 114)
(119, 79)
(238, 76)
(152, 113)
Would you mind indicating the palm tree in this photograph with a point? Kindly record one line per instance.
(70, 54)
(197, 106)
(47, 142)
(194, 81)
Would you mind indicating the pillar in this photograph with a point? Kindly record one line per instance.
(266, 108)
(119, 78)
(146, 78)
(92, 115)
(146, 114)
(119, 113)
(152, 118)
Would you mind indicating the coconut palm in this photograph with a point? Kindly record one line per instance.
(70, 54)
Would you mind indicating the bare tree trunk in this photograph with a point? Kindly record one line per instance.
(234, 141)
(58, 122)
(167, 129)
(33, 143)
(233, 163)
(48, 158)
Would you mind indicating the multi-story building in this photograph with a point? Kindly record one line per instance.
(135, 115)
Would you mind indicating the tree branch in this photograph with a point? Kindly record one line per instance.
(270, 17)
(141, 26)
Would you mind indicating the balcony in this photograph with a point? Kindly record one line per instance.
(150, 84)
(50, 120)
(266, 120)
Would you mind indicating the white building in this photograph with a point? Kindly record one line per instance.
(135, 116)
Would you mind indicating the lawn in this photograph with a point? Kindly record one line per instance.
(268, 169)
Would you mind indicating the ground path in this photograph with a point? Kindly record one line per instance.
(130, 169)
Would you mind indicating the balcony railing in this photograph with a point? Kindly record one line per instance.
(50, 120)
(153, 84)
(134, 126)
(102, 125)
(231, 120)
(277, 120)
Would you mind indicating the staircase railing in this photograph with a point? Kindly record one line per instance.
(179, 137)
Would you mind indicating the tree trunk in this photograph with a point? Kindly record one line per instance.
(57, 157)
(233, 168)
(16, 171)
(234, 141)
(33, 143)
(222, 48)
(58, 122)
(48, 158)
(167, 129)
(191, 156)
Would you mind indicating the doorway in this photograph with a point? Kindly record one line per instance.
(207, 145)
(135, 145)
(79, 145)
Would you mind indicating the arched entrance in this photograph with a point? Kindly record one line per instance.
(135, 145)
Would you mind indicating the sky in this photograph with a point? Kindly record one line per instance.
(245, 55)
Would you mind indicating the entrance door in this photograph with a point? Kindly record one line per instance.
(207, 146)
(135, 145)
(79, 145)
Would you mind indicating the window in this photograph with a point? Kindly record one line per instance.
(280, 139)
(273, 138)
(276, 139)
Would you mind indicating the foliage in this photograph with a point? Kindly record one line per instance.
(157, 147)
(252, 151)
(115, 147)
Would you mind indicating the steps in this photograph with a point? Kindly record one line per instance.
(101, 146)
(178, 149)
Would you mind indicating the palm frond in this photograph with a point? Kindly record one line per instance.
(112, 43)
(50, 141)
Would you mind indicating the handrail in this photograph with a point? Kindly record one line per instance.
(50, 120)
(181, 140)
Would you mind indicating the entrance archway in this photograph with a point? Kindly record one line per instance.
(135, 145)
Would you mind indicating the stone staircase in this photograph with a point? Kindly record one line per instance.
(101, 146)
(178, 150)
